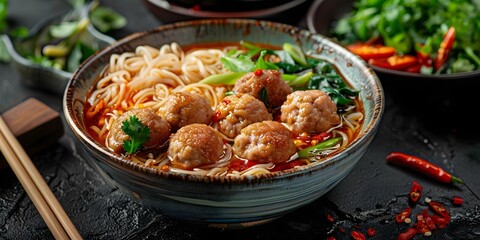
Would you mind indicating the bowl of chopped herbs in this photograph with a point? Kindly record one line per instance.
(413, 40)
(51, 51)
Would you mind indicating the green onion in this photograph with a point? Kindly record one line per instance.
(296, 53)
(223, 78)
(310, 151)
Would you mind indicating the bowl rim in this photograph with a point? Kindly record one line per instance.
(365, 136)
(311, 16)
(165, 5)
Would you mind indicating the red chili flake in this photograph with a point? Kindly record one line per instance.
(217, 116)
(330, 238)
(341, 229)
(458, 201)
(226, 101)
(400, 218)
(196, 8)
(407, 234)
(357, 235)
(258, 72)
(415, 192)
(440, 222)
(428, 220)
(439, 209)
(421, 225)
(371, 232)
(322, 136)
(330, 218)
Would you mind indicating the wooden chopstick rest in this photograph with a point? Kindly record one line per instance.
(36, 126)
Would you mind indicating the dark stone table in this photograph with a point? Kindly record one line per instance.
(435, 120)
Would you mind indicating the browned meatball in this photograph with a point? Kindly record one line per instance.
(237, 112)
(195, 145)
(310, 111)
(184, 108)
(159, 129)
(267, 141)
(269, 80)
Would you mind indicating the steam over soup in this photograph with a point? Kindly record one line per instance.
(222, 108)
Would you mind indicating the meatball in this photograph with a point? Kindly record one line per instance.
(159, 129)
(184, 108)
(195, 145)
(267, 141)
(270, 80)
(310, 111)
(237, 112)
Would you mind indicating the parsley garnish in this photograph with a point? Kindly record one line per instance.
(139, 134)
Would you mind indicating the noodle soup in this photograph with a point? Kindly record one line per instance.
(222, 109)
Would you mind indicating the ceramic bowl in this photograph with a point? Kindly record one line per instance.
(49, 78)
(320, 19)
(286, 11)
(223, 201)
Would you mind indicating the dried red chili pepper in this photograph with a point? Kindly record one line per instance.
(371, 232)
(330, 218)
(357, 235)
(407, 234)
(415, 192)
(458, 201)
(400, 218)
(422, 166)
(439, 209)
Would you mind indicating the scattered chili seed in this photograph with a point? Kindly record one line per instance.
(427, 234)
(457, 201)
(408, 220)
(427, 200)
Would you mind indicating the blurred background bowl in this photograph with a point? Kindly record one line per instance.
(286, 11)
(48, 78)
(321, 16)
(222, 201)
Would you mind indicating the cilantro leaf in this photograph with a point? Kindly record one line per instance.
(139, 134)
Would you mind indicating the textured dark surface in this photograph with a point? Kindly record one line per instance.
(432, 120)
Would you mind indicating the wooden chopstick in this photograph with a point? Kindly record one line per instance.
(37, 189)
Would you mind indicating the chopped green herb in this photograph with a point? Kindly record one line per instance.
(139, 134)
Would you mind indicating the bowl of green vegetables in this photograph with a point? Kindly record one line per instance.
(56, 46)
(414, 40)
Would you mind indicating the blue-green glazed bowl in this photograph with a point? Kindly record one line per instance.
(48, 78)
(227, 202)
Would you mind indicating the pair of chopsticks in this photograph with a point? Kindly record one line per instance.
(37, 189)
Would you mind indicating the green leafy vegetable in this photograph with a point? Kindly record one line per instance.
(139, 134)
(263, 95)
(106, 19)
(417, 25)
(3, 15)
